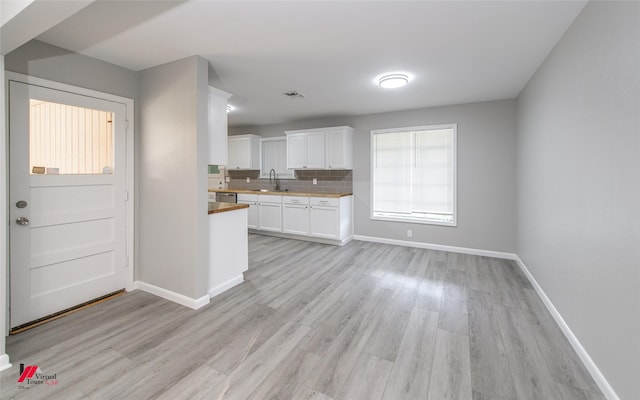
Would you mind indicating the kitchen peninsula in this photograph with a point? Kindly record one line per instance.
(228, 246)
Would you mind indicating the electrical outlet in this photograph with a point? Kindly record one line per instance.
(227, 179)
(409, 233)
(315, 181)
(248, 180)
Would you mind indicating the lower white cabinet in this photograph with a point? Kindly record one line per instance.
(295, 215)
(328, 218)
(325, 222)
(331, 218)
(252, 212)
(270, 213)
(319, 217)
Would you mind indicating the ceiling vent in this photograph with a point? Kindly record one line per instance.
(294, 95)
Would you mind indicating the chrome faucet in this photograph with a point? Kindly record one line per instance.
(275, 179)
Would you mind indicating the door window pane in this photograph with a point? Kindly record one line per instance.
(65, 139)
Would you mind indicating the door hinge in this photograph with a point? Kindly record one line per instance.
(126, 125)
(126, 262)
(126, 195)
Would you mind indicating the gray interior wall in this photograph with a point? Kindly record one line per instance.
(200, 212)
(579, 192)
(172, 176)
(486, 172)
(43, 60)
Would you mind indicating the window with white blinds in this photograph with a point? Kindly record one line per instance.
(413, 174)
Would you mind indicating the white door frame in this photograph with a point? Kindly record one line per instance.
(130, 159)
(4, 210)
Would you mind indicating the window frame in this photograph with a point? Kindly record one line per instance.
(264, 174)
(413, 220)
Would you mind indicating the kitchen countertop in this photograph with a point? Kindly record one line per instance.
(288, 193)
(218, 207)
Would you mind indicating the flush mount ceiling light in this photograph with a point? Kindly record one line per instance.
(392, 81)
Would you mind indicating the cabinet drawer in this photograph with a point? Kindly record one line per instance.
(269, 198)
(295, 200)
(325, 201)
(247, 197)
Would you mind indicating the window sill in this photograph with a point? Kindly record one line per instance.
(421, 221)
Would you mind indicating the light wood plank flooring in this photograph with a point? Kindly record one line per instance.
(312, 321)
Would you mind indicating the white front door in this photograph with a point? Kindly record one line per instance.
(66, 198)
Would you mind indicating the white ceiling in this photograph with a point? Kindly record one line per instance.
(330, 51)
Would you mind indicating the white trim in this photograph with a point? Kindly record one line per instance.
(591, 366)
(130, 150)
(172, 296)
(4, 258)
(410, 220)
(431, 246)
(214, 291)
(4, 362)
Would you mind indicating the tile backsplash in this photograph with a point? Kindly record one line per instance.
(329, 181)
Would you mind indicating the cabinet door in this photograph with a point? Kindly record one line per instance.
(325, 222)
(252, 214)
(295, 219)
(217, 113)
(315, 150)
(338, 151)
(270, 217)
(238, 153)
(296, 151)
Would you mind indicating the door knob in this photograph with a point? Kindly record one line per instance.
(22, 221)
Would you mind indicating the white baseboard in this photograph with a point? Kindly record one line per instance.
(214, 291)
(601, 381)
(172, 296)
(431, 246)
(4, 362)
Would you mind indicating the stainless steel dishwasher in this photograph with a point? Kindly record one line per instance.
(227, 197)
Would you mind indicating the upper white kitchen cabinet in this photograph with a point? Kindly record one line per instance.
(244, 152)
(305, 150)
(217, 110)
(323, 148)
(339, 148)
